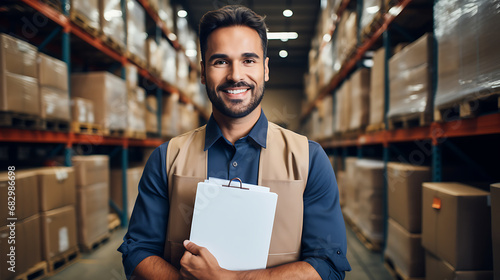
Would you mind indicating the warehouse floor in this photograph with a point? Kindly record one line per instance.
(105, 262)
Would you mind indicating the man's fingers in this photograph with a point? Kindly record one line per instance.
(192, 247)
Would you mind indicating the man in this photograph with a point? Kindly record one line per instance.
(308, 239)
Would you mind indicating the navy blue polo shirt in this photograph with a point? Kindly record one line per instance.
(324, 244)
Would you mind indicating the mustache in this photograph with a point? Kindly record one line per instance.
(231, 85)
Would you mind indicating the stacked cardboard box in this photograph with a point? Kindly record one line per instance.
(170, 115)
(28, 245)
(327, 116)
(182, 71)
(343, 107)
(151, 114)
(116, 187)
(456, 230)
(136, 29)
(377, 88)
(136, 117)
(404, 247)
(18, 76)
(166, 13)
(360, 85)
(53, 84)
(154, 55)
(87, 10)
(495, 227)
(169, 73)
(346, 38)
(371, 8)
(188, 117)
(109, 95)
(351, 204)
(82, 110)
(410, 80)
(112, 23)
(92, 188)
(370, 198)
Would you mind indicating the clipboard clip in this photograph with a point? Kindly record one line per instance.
(240, 187)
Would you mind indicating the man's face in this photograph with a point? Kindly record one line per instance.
(235, 70)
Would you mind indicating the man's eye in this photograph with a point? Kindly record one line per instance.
(249, 61)
(220, 62)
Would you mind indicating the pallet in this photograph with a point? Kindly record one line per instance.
(20, 120)
(113, 44)
(92, 246)
(369, 244)
(114, 132)
(395, 272)
(470, 107)
(55, 125)
(113, 222)
(152, 135)
(408, 121)
(375, 127)
(84, 23)
(36, 272)
(55, 4)
(135, 134)
(136, 59)
(64, 260)
(86, 128)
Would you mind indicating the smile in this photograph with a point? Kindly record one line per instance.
(236, 91)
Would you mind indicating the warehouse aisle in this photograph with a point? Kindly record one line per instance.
(105, 263)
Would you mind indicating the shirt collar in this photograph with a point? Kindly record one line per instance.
(258, 133)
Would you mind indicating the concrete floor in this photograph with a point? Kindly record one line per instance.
(105, 262)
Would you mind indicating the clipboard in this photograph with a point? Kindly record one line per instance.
(234, 223)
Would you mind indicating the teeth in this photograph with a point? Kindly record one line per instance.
(236, 91)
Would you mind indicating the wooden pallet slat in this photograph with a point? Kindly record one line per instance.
(470, 107)
(369, 244)
(113, 222)
(83, 22)
(36, 272)
(86, 128)
(97, 243)
(64, 260)
(20, 120)
(408, 121)
(375, 127)
(114, 132)
(55, 125)
(135, 134)
(113, 43)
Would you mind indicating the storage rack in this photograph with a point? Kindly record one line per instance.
(67, 139)
(436, 132)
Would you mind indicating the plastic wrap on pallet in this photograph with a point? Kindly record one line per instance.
(109, 95)
(377, 88)
(112, 23)
(410, 80)
(327, 116)
(370, 9)
(468, 55)
(54, 103)
(82, 110)
(344, 107)
(19, 94)
(182, 70)
(151, 114)
(154, 55)
(131, 76)
(136, 29)
(89, 9)
(52, 72)
(170, 116)
(136, 116)
(17, 57)
(325, 64)
(347, 35)
(166, 14)
(360, 85)
(169, 73)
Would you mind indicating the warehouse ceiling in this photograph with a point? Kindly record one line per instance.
(303, 21)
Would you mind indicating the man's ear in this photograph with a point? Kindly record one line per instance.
(266, 69)
(203, 77)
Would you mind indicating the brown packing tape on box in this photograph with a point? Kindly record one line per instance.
(495, 227)
(456, 225)
(54, 103)
(52, 72)
(92, 213)
(438, 269)
(91, 169)
(58, 231)
(28, 246)
(25, 194)
(405, 251)
(404, 188)
(17, 57)
(56, 186)
(19, 94)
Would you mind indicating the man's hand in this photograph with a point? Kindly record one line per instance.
(199, 263)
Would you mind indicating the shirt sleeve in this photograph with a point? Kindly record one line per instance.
(324, 243)
(148, 224)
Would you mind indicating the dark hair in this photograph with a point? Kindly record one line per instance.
(232, 15)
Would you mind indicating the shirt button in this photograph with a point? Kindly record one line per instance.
(235, 164)
(338, 252)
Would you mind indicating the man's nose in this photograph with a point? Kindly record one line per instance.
(235, 73)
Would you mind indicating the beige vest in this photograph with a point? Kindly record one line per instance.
(283, 167)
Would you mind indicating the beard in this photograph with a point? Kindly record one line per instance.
(233, 110)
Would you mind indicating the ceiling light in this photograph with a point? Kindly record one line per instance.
(182, 13)
(283, 53)
(287, 13)
(282, 35)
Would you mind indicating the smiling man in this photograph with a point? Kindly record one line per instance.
(308, 239)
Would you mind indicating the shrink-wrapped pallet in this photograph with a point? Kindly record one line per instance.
(360, 85)
(136, 30)
(112, 23)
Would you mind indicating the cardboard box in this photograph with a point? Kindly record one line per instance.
(360, 89)
(52, 72)
(341, 184)
(151, 114)
(136, 29)
(404, 185)
(109, 95)
(54, 103)
(438, 269)
(377, 88)
(136, 116)
(28, 246)
(90, 170)
(82, 110)
(131, 76)
(495, 227)
(19, 94)
(134, 175)
(412, 56)
(92, 213)
(113, 25)
(56, 186)
(89, 9)
(351, 206)
(17, 57)
(456, 225)
(25, 193)
(58, 231)
(405, 250)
